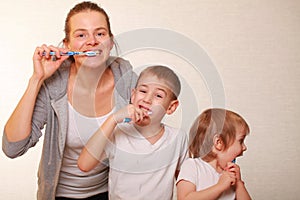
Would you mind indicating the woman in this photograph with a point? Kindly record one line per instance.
(71, 96)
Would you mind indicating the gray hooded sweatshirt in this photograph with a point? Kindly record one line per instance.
(51, 111)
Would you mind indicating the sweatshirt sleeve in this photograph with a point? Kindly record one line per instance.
(15, 149)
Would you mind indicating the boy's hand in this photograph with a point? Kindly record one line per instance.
(136, 115)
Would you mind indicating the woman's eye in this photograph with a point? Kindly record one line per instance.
(81, 35)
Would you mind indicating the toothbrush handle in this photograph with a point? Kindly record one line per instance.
(126, 120)
(69, 53)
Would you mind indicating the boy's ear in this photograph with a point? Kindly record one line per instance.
(172, 107)
(218, 142)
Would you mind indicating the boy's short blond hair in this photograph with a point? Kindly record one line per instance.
(167, 75)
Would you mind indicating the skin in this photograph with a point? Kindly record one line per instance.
(90, 79)
(150, 94)
(230, 173)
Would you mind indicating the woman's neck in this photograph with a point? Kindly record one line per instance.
(87, 78)
(87, 86)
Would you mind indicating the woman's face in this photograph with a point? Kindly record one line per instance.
(89, 32)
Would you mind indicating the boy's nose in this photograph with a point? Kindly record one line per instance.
(148, 98)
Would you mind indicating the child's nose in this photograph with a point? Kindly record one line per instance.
(148, 98)
(244, 147)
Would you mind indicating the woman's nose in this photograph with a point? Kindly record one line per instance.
(92, 40)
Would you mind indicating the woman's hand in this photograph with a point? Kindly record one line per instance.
(45, 64)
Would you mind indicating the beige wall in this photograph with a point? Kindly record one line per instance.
(254, 45)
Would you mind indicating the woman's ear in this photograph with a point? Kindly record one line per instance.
(66, 44)
(112, 42)
(172, 107)
(218, 142)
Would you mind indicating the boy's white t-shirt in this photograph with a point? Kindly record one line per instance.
(141, 170)
(202, 175)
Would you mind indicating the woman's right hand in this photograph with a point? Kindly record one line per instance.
(45, 64)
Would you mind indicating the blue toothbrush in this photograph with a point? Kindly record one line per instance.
(72, 53)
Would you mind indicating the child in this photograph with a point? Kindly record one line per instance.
(144, 154)
(217, 138)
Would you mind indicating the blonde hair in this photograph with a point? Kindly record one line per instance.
(167, 75)
(82, 7)
(211, 122)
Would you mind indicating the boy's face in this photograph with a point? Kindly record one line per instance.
(153, 94)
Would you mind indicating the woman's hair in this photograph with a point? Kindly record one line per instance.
(165, 74)
(81, 7)
(211, 122)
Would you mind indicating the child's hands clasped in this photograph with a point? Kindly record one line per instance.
(230, 176)
(232, 167)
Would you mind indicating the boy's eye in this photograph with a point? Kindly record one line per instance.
(142, 91)
(160, 95)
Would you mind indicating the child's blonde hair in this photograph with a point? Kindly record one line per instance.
(211, 122)
(165, 74)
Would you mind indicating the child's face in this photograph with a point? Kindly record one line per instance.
(236, 148)
(153, 94)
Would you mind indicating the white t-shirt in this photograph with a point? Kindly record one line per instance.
(203, 176)
(73, 182)
(141, 170)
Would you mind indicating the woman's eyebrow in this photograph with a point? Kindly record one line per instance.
(83, 29)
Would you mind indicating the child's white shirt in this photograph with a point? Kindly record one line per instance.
(141, 170)
(202, 175)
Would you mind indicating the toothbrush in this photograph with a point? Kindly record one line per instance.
(127, 119)
(234, 160)
(72, 53)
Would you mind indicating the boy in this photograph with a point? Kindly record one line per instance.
(144, 155)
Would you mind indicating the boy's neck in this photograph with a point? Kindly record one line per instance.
(151, 132)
